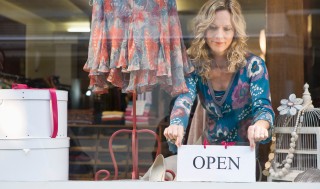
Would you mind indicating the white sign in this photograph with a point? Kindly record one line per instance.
(215, 163)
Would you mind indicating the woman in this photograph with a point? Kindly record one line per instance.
(232, 83)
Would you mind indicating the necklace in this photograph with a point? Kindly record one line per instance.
(281, 169)
(274, 168)
(271, 155)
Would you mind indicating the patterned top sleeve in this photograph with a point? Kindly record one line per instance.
(182, 107)
(183, 104)
(260, 92)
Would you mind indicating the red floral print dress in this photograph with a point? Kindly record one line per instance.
(135, 45)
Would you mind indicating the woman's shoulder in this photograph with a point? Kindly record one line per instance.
(255, 66)
(253, 59)
(194, 74)
(195, 64)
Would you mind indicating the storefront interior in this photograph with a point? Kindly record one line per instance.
(45, 44)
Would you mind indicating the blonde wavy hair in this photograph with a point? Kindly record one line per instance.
(199, 51)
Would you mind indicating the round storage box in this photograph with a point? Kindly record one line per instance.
(34, 159)
(27, 113)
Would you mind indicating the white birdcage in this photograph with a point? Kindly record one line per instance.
(297, 146)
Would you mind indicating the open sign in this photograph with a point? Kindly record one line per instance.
(215, 163)
(210, 162)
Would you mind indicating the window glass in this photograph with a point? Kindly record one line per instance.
(48, 44)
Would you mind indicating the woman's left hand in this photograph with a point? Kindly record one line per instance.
(258, 132)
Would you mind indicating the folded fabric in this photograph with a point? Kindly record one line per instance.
(138, 118)
(79, 116)
(105, 113)
(112, 116)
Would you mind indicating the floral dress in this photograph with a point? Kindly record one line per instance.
(136, 44)
(246, 100)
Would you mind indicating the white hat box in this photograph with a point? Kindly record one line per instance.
(26, 113)
(34, 159)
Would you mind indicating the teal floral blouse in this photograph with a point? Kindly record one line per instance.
(246, 100)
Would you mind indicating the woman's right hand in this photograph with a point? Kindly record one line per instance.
(174, 134)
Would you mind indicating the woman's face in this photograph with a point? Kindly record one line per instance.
(220, 34)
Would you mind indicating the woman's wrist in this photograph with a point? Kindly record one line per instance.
(262, 123)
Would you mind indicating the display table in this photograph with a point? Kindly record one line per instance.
(129, 184)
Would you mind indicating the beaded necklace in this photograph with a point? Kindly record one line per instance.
(278, 170)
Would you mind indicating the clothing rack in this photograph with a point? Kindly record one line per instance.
(11, 76)
(50, 82)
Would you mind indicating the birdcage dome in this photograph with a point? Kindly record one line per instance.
(296, 139)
